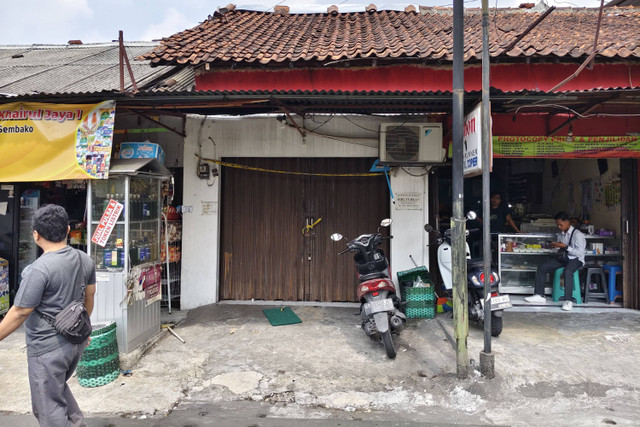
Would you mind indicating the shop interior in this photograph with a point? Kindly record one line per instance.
(19, 202)
(535, 190)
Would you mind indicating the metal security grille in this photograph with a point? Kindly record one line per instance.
(275, 229)
(171, 255)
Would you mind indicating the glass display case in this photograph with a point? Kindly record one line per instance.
(28, 251)
(128, 260)
(135, 236)
(520, 254)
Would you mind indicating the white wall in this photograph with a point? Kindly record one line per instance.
(564, 192)
(268, 137)
(409, 237)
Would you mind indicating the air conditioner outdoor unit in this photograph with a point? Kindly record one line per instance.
(411, 143)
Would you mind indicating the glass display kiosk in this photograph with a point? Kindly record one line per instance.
(127, 265)
(520, 255)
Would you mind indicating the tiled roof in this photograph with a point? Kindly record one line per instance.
(73, 69)
(261, 38)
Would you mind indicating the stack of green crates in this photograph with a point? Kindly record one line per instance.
(421, 301)
(100, 364)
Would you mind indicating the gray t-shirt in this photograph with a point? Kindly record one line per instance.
(49, 284)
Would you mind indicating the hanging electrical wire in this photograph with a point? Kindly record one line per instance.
(416, 175)
(584, 116)
(256, 169)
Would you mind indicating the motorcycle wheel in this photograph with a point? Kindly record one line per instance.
(496, 325)
(388, 345)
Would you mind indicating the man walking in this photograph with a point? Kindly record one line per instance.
(48, 285)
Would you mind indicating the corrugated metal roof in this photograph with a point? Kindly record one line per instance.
(66, 69)
(183, 80)
(368, 102)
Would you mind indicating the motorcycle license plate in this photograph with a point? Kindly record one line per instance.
(501, 302)
(377, 306)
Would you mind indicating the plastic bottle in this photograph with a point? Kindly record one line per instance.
(136, 207)
(147, 250)
(121, 255)
(133, 252)
(105, 203)
(153, 205)
(107, 256)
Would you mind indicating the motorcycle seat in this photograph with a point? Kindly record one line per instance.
(374, 275)
(476, 263)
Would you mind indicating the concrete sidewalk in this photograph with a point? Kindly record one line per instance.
(578, 368)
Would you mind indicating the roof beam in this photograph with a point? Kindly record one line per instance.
(123, 56)
(528, 30)
(589, 109)
(158, 122)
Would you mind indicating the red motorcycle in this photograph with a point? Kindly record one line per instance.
(379, 304)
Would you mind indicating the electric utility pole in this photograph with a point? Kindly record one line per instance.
(487, 362)
(458, 225)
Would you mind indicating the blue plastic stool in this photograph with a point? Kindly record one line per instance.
(557, 289)
(613, 271)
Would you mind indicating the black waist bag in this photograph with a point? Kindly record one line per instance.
(73, 321)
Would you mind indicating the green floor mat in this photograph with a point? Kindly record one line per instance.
(281, 316)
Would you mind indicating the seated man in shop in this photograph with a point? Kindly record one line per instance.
(572, 245)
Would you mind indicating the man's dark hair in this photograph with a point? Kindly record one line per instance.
(51, 222)
(496, 193)
(563, 216)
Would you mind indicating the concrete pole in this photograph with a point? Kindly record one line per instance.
(458, 224)
(486, 358)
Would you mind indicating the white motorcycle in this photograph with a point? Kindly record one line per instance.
(475, 281)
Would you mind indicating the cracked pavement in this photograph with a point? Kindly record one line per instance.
(551, 368)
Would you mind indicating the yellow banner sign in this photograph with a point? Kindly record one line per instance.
(46, 142)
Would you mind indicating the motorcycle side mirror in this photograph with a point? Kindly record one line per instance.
(471, 215)
(336, 237)
(428, 228)
(386, 222)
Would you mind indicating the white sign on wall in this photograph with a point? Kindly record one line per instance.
(472, 145)
(408, 201)
(208, 207)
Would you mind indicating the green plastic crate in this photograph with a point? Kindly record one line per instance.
(419, 294)
(420, 309)
(100, 364)
(406, 277)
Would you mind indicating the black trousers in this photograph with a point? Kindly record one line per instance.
(551, 266)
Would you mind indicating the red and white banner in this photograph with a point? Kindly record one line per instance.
(107, 222)
(150, 280)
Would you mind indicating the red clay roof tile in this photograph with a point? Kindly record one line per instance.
(268, 38)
